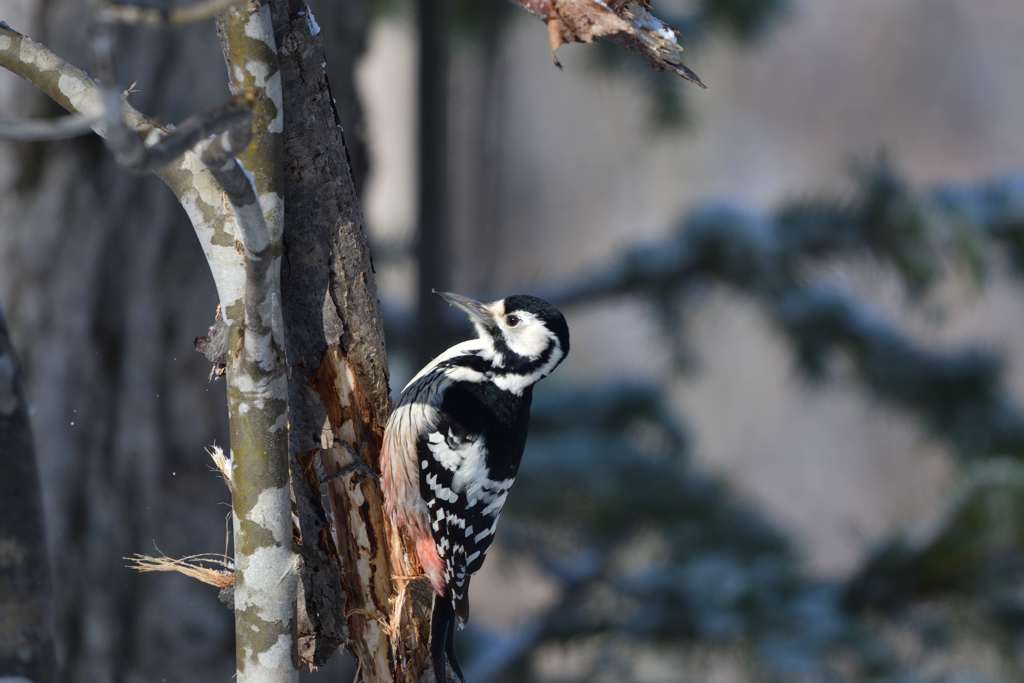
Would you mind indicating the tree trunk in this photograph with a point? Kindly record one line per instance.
(122, 403)
(26, 621)
(339, 390)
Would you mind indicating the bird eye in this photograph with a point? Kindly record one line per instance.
(512, 320)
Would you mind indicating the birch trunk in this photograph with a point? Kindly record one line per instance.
(265, 564)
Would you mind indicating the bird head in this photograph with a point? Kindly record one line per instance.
(527, 335)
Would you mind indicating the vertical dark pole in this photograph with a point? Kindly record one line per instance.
(26, 622)
(433, 253)
(485, 183)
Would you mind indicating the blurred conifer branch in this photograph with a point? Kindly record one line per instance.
(959, 395)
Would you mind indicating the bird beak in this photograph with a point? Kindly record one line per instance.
(478, 312)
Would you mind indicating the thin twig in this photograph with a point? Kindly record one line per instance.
(220, 157)
(176, 16)
(61, 128)
(146, 158)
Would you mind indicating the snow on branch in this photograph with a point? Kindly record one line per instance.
(626, 22)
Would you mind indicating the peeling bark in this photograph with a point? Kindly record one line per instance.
(26, 623)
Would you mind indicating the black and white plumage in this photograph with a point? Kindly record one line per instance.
(453, 444)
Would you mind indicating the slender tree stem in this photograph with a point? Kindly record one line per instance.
(433, 253)
(266, 566)
(26, 622)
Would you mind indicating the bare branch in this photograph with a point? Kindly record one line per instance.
(627, 22)
(192, 183)
(173, 16)
(106, 109)
(220, 157)
(67, 85)
(61, 128)
(134, 154)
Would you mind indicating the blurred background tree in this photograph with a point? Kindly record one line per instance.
(786, 444)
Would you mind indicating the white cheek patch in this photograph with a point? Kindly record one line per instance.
(529, 338)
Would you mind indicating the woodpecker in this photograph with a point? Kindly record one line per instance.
(453, 444)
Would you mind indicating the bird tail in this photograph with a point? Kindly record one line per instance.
(442, 640)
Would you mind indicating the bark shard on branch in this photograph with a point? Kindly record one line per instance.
(626, 22)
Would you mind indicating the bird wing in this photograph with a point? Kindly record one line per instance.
(416, 414)
(464, 502)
